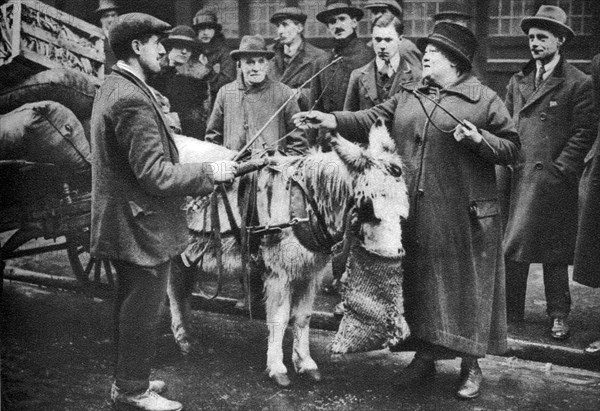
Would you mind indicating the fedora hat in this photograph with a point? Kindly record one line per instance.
(294, 13)
(333, 7)
(183, 35)
(131, 26)
(106, 5)
(392, 5)
(205, 18)
(252, 46)
(453, 38)
(549, 17)
(453, 9)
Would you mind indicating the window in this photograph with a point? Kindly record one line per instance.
(227, 15)
(506, 15)
(418, 17)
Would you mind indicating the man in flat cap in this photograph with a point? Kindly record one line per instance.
(214, 52)
(107, 13)
(329, 88)
(138, 188)
(551, 103)
(294, 56)
(407, 49)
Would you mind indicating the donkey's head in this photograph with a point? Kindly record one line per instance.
(378, 189)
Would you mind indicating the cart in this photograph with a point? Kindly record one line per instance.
(38, 200)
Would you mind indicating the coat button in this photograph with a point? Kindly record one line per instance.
(421, 193)
(245, 126)
(538, 166)
(543, 116)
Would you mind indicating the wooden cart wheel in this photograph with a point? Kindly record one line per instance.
(96, 275)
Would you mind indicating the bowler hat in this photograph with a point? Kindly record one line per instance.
(205, 18)
(106, 5)
(453, 9)
(333, 7)
(183, 35)
(453, 38)
(294, 13)
(252, 46)
(131, 26)
(392, 5)
(551, 17)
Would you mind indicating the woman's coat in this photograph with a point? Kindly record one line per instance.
(454, 273)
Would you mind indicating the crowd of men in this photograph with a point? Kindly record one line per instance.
(188, 80)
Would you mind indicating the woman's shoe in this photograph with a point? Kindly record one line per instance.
(593, 349)
(470, 379)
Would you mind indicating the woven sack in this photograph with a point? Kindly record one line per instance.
(374, 315)
(68, 87)
(45, 132)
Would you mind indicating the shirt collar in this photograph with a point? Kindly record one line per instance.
(291, 51)
(394, 63)
(126, 67)
(548, 67)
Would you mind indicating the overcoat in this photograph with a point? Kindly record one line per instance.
(362, 87)
(555, 124)
(298, 71)
(138, 187)
(241, 111)
(586, 268)
(329, 88)
(453, 268)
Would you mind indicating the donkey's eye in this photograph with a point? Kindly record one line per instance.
(394, 169)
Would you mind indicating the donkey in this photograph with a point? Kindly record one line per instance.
(368, 181)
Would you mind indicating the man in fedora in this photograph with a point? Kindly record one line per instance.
(107, 12)
(214, 52)
(329, 88)
(406, 48)
(183, 81)
(551, 103)
(294, 56)
(138, 189)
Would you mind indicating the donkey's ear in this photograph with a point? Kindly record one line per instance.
(379, 138)
(351, 154)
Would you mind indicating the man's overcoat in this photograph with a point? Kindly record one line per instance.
(587, 250)
(555, 124)
(298, 71)
(453, 268)
(138, 187)
(241, 111)
(362, 88)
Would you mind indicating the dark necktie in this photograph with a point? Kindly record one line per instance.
(540, 77)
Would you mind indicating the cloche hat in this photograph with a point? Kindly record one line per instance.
(454, 38)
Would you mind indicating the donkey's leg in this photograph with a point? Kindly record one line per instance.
(278, 316)
(302, 305)
(179, 290)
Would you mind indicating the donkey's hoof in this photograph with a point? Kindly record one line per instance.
(282, 380)
(314, 375)
(185, 346)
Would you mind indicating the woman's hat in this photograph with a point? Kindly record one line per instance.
(252, 46)
(333, 7)
(453, 9)
(456, 39)
(182, 35)
(294, 13)
(551, 17)
(204, 18)
(106, 5)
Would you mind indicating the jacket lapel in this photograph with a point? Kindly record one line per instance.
(171, 148)
(367, 79)
(547, 86)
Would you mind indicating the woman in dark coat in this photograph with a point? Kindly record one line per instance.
(453, 268)
(586, 268)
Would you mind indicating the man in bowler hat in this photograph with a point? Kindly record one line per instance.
(551, 103)
(138, 188)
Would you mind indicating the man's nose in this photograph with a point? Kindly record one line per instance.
(161, 49)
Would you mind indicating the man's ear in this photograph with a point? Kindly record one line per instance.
(136, 46)
(561, 40)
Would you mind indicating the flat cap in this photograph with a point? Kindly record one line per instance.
(391, 5)
(131, 26)
(294, 13)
